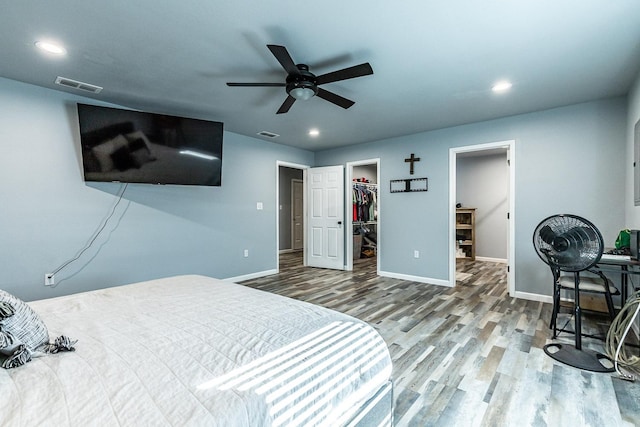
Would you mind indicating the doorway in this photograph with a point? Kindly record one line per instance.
(290, 236)
(297, 214)
(363, 219)
(489, 171)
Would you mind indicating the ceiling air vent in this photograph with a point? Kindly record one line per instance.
(268, 134)
(63, 81)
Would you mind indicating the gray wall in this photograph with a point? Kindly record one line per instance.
(482, 182)
(632, 212)
(286, 175)
(369, 172)
(48, 213)
(567, 161)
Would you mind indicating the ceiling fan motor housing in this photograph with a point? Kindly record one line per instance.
(302, 79)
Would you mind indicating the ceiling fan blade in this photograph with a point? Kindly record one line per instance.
(283, 57)
(336, 99)
(346, 73)
(256, 84)
(286, 105)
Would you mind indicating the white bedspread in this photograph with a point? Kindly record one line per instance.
(192, 350)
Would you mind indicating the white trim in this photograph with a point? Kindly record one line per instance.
(348, 180)
(301, 181)
(288, 251)
(304, 198)
(251, 276)
(488, 259)
(511, 251)
(534, 297)
(420, 279)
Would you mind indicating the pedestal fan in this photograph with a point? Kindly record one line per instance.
(571, 244)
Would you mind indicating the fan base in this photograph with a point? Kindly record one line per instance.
(587, 360)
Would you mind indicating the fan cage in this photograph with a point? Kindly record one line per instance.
(568, 242)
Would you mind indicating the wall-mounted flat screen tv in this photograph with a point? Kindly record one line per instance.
(130, 146)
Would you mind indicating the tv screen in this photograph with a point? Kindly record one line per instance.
(130, 146)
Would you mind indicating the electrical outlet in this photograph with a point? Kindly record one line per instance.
(49, 279)
(416, 254)
(246, 253)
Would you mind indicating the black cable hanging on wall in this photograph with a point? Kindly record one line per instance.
(94, 237)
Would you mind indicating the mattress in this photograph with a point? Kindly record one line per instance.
(193, 350)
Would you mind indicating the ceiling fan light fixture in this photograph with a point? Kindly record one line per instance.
(302, 93)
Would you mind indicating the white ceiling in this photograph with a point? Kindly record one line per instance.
(434, 62)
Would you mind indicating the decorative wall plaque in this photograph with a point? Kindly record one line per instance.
(408, 185)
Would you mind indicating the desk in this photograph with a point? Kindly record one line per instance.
(620, 266)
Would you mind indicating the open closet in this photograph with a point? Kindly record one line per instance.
(364, 211)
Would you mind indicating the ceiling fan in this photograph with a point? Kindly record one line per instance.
(301, 84)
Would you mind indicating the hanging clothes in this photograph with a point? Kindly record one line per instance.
(364, 199)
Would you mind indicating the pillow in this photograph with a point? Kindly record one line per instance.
(25, 325)
(12, 352)
(140, 153)
(6, 310)
(122, 159)
(133, 136)
(22, 332)
(104, 151)
(89, 161)
(138, 144)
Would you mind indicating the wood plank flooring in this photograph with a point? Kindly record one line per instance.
(469, 355)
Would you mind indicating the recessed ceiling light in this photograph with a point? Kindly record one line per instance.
(501, 86)
(50, 47)
(314, 132)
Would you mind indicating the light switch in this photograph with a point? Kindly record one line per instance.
(259, 206)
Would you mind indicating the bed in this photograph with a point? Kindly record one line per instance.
(193, 350)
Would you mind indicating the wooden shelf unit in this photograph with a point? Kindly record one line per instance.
(466, 231)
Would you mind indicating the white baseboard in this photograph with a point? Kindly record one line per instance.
(534, 297)
(420, 279)
(484, 258)
(251, 276)
(288, 251)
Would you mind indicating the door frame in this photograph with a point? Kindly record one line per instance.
(348, 179)
(301, 181)
(511, 258)
(277, 204)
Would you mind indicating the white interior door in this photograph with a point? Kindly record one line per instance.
(325, 225)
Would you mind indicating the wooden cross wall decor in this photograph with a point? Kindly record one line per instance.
(411, 160)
